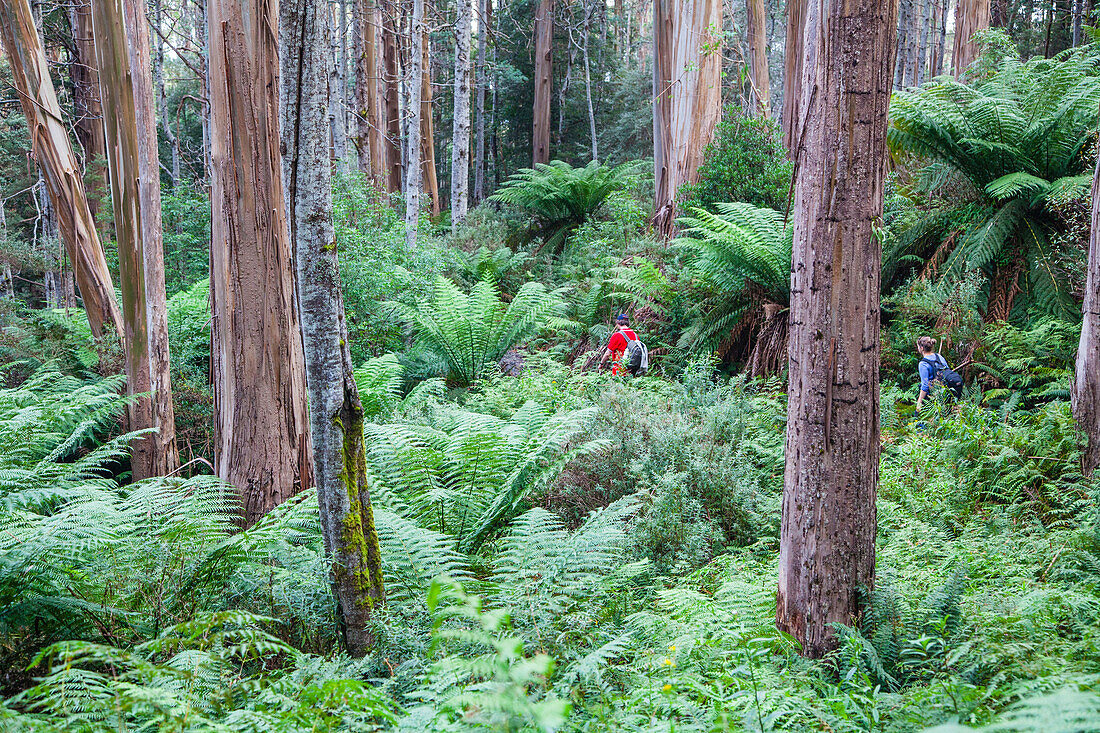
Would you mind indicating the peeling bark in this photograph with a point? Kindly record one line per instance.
(687, 95)
(260, 422)
(336, 414)
(59, 167)
(827, 543)
(129, 114)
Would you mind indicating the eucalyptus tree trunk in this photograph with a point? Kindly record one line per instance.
(413, 172)
(544, 57)
(261, 427)
(336, 414)
(905, 8)
(486, 7)
(792, 73)
(337, 115)
(59, 166)
(756, 30)
(971, 16)
(204, 82)
(129, 116)
(460, 134)
(939, 40)
(827, 541)
(687, 95)
(430, 175)
(87, 110)
(1086, 383)
(391, 75)
(922, 50)
(162, 96)
(588, 85)
(370, 138)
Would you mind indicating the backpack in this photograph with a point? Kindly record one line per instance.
(947, 376)
(636, 358)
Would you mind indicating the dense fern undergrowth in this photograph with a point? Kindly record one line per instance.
(567, 550)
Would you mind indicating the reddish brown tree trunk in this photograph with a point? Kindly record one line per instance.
(544, 58)
(392, 96)
(687, 95)
(1086, 383)
(59, 167)
(827, 544)
(370, 139)
(260, 422)
(429, 175)
(129, 113)
(971, 16)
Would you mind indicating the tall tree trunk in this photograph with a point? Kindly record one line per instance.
(939, 41)
(204, 81)
(588, 86)
(1078, 12)
(413, 170)
(792, 73)
(336, 414)
(337, 115)
(129, 115)
(460, 134)
(971, 16)
(486, 7)
(162, 96)
(260, 420)
(1086, 383)
(391, 73)
(58, 165)
(999, 13)
(87, 110)
(687, 95)
(905, 8)
(827, 543)
(922, 51)
(430, 177)
(544, 57)
(757, 33)
(370, 140)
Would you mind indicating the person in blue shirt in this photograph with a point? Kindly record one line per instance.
(930, 363)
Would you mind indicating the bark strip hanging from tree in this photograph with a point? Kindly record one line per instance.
(544, 58)
(1086, 382)
(687, 95)
(827, 543)
(129, 115)
(336, 413)
(260, 423)
(59, 166)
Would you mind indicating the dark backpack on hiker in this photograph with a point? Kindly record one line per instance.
(636, 358)
(945, 375)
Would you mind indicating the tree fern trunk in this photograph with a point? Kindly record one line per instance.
(336, 414)
(827, 544)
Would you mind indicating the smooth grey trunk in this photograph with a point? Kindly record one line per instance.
(460, 135)
(1086, 383)
(827, 539)
(414, 82)
(588, 85)
(485, 8)
(336, 414)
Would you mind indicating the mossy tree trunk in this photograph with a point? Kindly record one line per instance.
(59, 166)
(129, 117)
(827, 541)
(261, 425)
(336, 414)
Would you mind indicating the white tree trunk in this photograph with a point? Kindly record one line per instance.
(460, 138)
(414, 81)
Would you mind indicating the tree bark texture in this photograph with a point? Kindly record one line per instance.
(391, 70)
(370, 140)
(336, 414)
(792, 71)
(757, 32)
(162, 96)
(413, 172)
(460, 132)
(430, 175)
(129, 116)
(337, 115)
(971, 16)
(1086, 383)
(827, 545)
(87, 110)
(687, 95)
(486, 7)
(544, 57)
(260, 421)
(59, 166)
(939, 40)
(905, 8)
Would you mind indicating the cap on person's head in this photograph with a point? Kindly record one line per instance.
(622, 319)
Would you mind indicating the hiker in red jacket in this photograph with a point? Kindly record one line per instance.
(617, 345)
